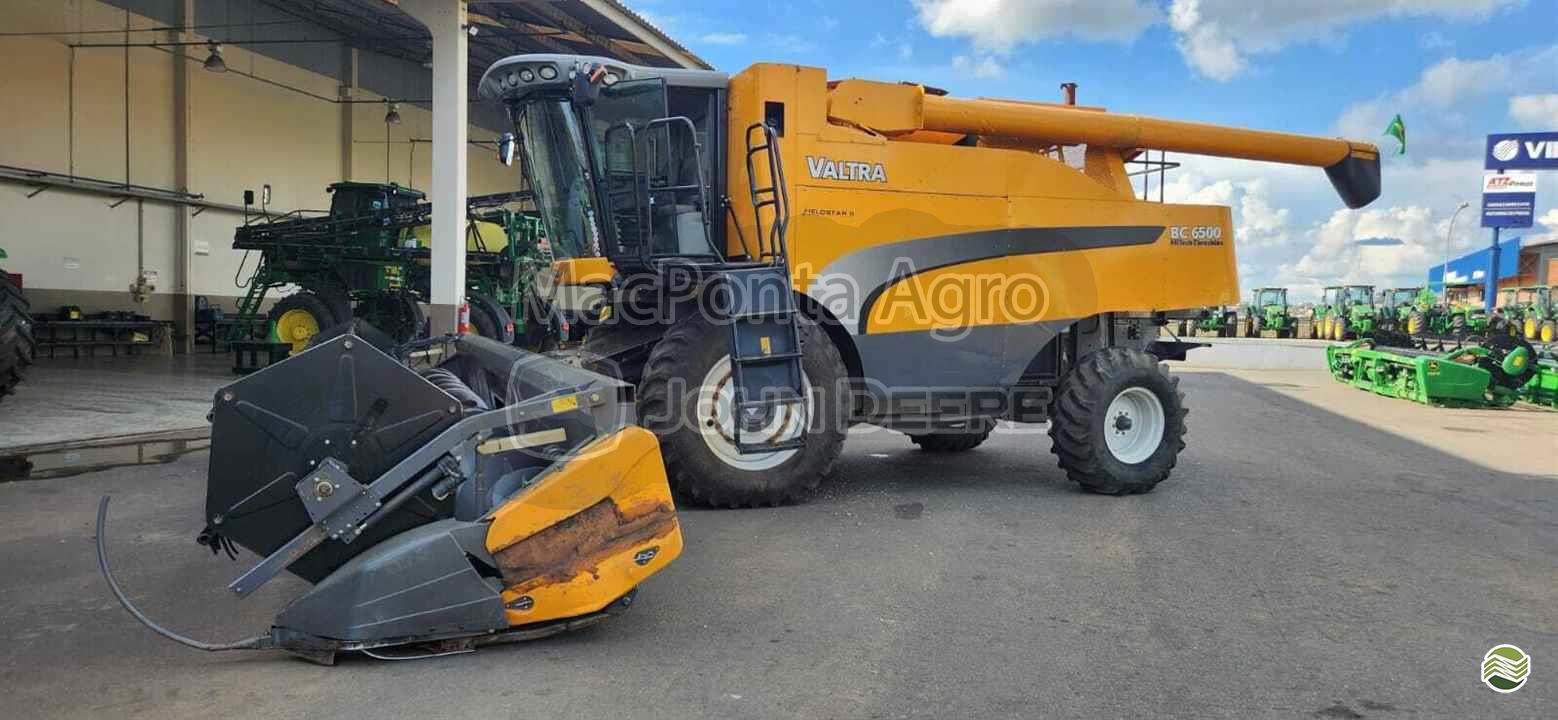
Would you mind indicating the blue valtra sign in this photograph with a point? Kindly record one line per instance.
(1522, 151)
(1508, 199)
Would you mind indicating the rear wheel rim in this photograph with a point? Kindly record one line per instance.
(297, 327)
(1134, 425)
(715, 414)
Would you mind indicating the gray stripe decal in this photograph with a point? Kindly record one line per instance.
(848, 286)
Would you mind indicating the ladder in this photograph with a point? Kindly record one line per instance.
(765, 345)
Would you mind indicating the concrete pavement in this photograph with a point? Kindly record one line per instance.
(1299, 563)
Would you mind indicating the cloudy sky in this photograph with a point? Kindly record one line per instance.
(1455, 69)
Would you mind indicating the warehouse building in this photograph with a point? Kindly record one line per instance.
(134, 127)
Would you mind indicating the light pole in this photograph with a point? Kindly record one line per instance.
(1444, 275)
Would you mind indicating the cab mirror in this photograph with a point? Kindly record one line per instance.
(506, 148)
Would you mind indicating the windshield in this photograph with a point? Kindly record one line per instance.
(1271, 297)
(1360, 294)
(554, 160)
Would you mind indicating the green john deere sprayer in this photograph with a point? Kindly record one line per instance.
(16, 338)
(1344, 312)
(1500, 371)
(370, 258)
(1268, 310)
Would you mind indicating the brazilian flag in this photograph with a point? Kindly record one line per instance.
(1398, 130)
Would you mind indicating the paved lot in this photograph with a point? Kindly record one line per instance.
(1299, 564)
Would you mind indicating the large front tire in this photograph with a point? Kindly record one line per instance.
(17, 346)
(298, 317)
(684, 398)
(489, 319)
(1118, 422)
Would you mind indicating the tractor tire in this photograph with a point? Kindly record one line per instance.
(398, 315)
(1458, 327)
(489, 319)
(1417, 323)
(1529, 328)
(1255, 326)
(1549, 332)
(1118, 422)
(684, 397)
(1339, 329)
(17, 346)
(972, 435)
(300, 316)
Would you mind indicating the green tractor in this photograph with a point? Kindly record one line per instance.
(1532, 313)
(1268, 310)
(370, 258)
(1425, 316)
(1397, 306)
(1344, 312)
(17, 346)
(1219, 321)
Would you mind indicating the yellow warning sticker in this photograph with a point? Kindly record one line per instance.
(605, 313)
(564, 404)
(766, 344)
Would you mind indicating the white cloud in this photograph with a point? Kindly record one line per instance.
(1217, 37)
(724, 38)
(984, 67)
(1001, 25)
(1436, 106)
(1535, 112)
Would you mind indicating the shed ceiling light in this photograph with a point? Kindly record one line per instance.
(393, 116)
(214, 61)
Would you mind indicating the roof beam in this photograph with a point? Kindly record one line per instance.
(572, 24)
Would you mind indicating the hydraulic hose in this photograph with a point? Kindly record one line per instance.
(254, 643)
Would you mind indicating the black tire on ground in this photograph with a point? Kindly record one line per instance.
(1549, 332)
(667, 405)
(1458, 326)
(1417, 323)
(398, 316)
(962, 439)
(1255, 326)
(17, 346)
(307, 302)
(489, 319)
(1079, 422)
(339, 301)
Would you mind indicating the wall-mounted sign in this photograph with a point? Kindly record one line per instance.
(1522, 151)
(1508, 199)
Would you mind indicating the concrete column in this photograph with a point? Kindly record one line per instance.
(348, 109)
(183, 302)
(445, 19)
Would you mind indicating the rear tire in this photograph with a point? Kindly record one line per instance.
(673, 388)
(1107, 412)
(298, 317)
(489, 319)
(960, 440)
(17, 346)
(1458, 327)
(398, 315)
(1549, 332)
(1339, 329)
(1416, 323)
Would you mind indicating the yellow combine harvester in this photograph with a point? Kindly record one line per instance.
(779, 255)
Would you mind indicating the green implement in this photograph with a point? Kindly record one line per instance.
(1490, 375)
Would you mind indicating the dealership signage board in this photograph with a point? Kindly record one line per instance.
(1508, 199)
(1521, 151)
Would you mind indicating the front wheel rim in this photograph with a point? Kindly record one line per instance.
(715, 414)
(1134, 425)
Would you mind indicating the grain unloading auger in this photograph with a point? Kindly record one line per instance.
(498, 496)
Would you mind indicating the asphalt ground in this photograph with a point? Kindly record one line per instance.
(1299, 563)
